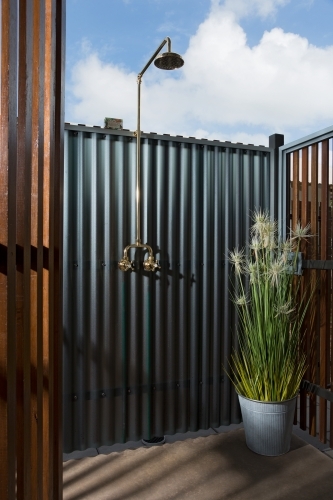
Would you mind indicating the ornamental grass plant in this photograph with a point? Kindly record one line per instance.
(268, 364)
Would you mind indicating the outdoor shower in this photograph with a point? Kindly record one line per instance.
(168, 60)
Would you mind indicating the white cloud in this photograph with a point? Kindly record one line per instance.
(243, 8)
(101, 90)
(241, 137)
(281, 84)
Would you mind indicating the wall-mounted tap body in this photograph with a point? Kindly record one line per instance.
(125, 264)
(151, 264)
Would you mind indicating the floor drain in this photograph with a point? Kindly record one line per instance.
(153, 441)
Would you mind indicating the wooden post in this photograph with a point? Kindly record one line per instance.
(31, 166)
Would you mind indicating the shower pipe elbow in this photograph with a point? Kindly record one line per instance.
(138, 245)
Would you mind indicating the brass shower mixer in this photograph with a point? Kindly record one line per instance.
(149, 264)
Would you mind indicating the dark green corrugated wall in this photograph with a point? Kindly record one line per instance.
(143, 352)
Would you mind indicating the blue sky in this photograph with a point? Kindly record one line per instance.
(252, 67)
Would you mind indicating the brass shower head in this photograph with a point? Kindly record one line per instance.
(169, 60)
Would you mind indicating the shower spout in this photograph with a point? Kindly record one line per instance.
(168, 60)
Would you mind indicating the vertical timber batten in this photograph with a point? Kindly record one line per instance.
(312, 203)
(32, 67)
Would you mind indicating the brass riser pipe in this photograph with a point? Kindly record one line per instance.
(171, 61)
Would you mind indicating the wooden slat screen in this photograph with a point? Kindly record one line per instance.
(311, 202)
(31, 166)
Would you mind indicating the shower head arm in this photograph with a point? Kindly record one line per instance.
(166, 40)
(138, 138)
(138, 132)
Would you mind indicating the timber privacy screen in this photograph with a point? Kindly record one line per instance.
(31, 165)
(308, 163)
(144, 352)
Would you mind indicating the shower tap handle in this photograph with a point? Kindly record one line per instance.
(126, 265)
(151, 264)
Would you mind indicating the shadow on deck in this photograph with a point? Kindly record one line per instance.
(211, 467)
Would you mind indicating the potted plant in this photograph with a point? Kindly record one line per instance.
(267, 366)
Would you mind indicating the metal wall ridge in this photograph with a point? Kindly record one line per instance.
(166, 137)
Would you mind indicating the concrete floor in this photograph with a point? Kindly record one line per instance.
(209, 465)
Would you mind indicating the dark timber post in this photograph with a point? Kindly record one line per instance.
(31, 179)
(275, 141)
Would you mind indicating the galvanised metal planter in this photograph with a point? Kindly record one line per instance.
(268, 425)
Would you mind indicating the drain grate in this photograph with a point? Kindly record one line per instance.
(153, 441)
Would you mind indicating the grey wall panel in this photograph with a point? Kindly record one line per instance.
(143, 352)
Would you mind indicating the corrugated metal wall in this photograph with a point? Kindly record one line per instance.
(143, 352)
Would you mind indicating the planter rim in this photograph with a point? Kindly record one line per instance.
(268, 402)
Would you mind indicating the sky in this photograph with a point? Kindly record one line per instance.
(252, 67)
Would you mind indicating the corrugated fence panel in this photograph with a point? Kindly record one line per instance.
(144, 352)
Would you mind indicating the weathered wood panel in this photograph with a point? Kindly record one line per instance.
(312, 203)
(31, 166)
